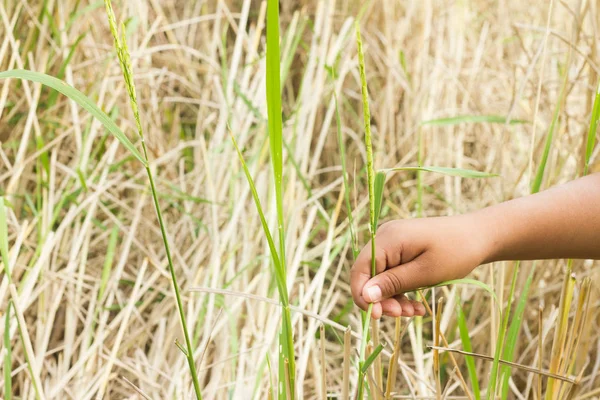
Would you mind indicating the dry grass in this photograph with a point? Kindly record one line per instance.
(200, 67)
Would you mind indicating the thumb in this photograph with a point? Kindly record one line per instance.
(401, 279)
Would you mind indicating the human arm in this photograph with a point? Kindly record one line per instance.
(562, 222)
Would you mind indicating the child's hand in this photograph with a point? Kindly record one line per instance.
(411, 254)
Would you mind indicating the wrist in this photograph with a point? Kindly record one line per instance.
(484, 234)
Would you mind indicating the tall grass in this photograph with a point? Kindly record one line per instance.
(287, 361)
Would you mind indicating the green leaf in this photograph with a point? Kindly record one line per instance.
(273, 81)
(365, 366)
(286, 340)
(469, 281)
(591, 138)
(4, 240)
(82, 100)
(379, 184)
(460, 172)
(513, 334)
(492, 119)
(466, 343)
(7, 355)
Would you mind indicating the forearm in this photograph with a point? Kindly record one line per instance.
(562, 222)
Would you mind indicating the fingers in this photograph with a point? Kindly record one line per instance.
(394, 281)
(401, 306)
(388, 253)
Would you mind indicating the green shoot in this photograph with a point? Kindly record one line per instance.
(591, 138)
(460, 172)
(82, 100)
(513, 334)
(372, 200)
(466, 343)
(7, 355)
(489, 119)
(273, 78)
(125, 62)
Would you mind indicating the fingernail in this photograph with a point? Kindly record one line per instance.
(374, 294)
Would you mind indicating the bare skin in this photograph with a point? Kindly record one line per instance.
(562, 222)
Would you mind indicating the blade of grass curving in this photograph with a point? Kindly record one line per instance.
(125, 63)
(273, 83)
(280, 278)
(460, 172)
(591, 138)
(365, 366)
(488, 119)
(466, 343)
(513, 334)
(469, 281)
(7, 355)
(82, 100)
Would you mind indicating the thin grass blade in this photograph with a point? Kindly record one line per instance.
(486, 119)
(7, 355)
(371, 358)
(591, 137)
(82, 100)
(466, 343)
(379, 184)
(460, 172)
(513, 334)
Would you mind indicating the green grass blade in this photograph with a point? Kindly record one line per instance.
(274, 113)
(371, 358)
(466, 343)
(4, 240)
(591, 138)
(82, 100)
(273, 83)
(7, 355)
(469, 281)
(539, 176)
(280, 279)
(513, 334)
(379, 184)
(486, 119)
(491, 392)
(460, 172)
(286, 339)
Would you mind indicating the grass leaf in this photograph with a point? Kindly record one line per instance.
(82, 100)
(591, 138)
(466, 343)
(513, 334)
(487, 119)
(469, 281)
(4, 240)
(7, 355)
(379, 184)
(460, 172)
(365, 366)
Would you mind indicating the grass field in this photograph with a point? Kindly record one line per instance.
(469, 103)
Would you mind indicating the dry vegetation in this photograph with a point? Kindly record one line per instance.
(85, 249)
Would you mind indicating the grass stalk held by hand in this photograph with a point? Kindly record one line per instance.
(371, 188)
